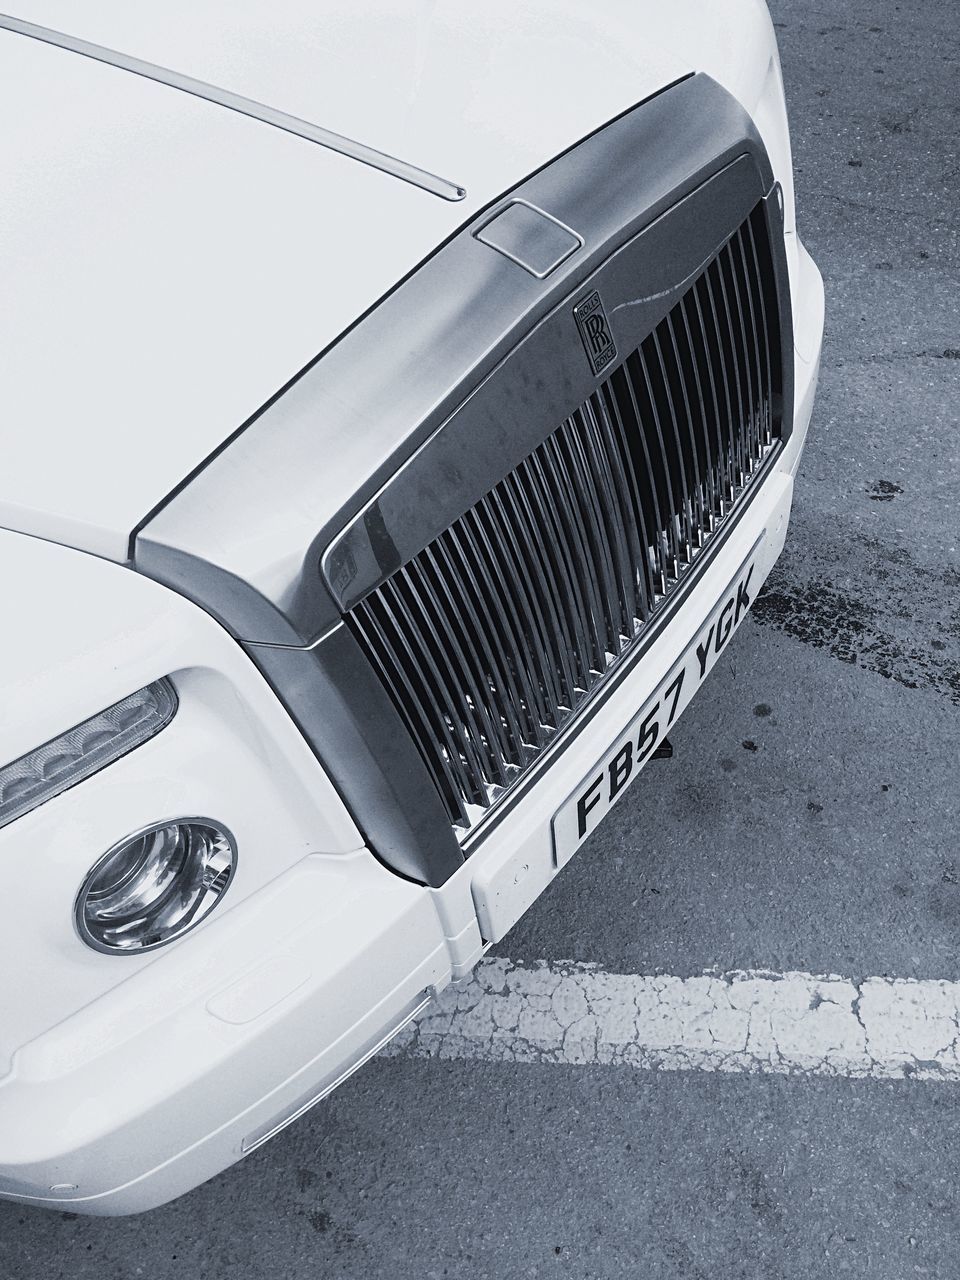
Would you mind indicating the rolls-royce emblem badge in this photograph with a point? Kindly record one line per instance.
(344, 572)
(595, 332)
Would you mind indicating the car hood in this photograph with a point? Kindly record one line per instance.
(170, 265)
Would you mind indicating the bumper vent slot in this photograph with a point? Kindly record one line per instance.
(492, 638)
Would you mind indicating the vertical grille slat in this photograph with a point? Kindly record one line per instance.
(698, 515)
(557, 484)
(756, 283)
(656, 582)
(753, 347)
(720, 358)
(710, 493)
(682, 506)
(614, 515)
(705, 364)
(729, 269)
(664, 472)
(590, 547)
(602, 539)
(493, 637)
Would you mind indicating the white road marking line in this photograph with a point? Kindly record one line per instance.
(745, 1021)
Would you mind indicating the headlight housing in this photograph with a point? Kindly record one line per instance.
(155, 885)
(41, 774)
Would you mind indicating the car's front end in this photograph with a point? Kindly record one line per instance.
(391, 653)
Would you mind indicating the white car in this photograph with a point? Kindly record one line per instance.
(401, 404)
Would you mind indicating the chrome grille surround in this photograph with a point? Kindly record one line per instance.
(493, 637)
(415, 415)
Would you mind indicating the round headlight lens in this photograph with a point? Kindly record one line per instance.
(155, 885)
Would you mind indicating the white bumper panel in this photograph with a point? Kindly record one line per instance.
(170, 1077)
(808, 320)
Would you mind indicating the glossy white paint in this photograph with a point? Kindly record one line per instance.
(290, 986)
(91, 632)
(154, 1086)
(169, 265)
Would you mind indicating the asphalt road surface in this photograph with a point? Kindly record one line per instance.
(808, 824)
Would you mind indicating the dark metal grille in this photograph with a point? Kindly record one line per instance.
(493, 637)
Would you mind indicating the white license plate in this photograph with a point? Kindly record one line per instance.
(607, 783)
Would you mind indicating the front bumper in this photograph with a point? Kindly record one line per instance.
(169, 1078)
(175, 1074)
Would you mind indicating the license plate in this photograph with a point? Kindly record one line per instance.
(607, 783)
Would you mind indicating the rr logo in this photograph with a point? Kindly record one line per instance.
(595, 332)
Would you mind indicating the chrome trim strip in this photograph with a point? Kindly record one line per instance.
(79, 924)
(245, 106)
(260, 1136)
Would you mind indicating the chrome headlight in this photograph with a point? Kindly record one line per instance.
(155, 885)
(88, 747)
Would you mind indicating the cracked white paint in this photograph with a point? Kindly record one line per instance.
(745, 1021)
